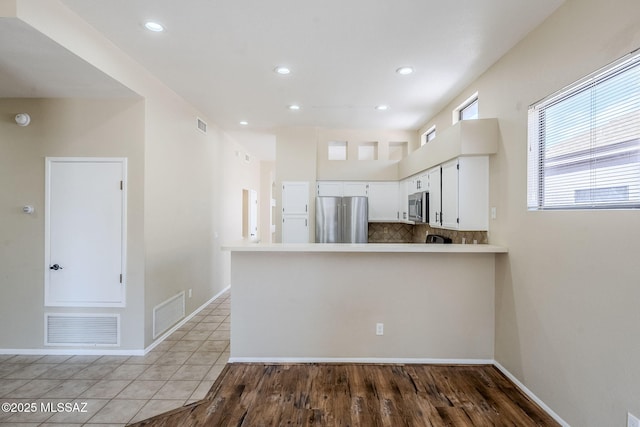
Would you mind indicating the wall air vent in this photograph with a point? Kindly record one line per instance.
(202, 125)
(167, 314)
(78, 329)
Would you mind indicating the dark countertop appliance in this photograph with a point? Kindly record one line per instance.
(436, 238)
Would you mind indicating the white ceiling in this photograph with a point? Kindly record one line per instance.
(33, 66)
(220, 55)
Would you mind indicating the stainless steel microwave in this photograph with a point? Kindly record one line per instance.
(419, 207)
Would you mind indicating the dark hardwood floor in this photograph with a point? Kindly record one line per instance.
(253, 395)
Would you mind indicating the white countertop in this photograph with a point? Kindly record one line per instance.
(243, 246)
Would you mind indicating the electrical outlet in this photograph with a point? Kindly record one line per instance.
(379, 328)
(494, 213)
(632, 421)
(189, 293)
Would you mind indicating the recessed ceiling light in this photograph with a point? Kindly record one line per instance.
(244, 123)
(404, 70)
(382, 107)
(154, 26)
(294, 107)
(282, 70)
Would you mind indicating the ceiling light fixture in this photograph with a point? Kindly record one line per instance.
(404, 70)
(294, 107)
(282, 70)
(154, 26)
(244, 123)
(382, 107)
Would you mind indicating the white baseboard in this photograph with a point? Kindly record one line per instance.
(376, 360)
(530, 394)
(183, 321)
(107, 352)
(71, 352)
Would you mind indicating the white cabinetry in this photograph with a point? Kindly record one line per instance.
(355, 189)
(435, 196)
(340, 188)
(464, 196)
(295, 212)
(329, 189)
(403, 200)
(295, 229)
(449, 209)
(383, 201)
(417, 184)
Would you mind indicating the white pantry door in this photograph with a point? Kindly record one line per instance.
(85, 232)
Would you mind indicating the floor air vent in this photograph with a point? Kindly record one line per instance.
(82, 329)
(167, 314)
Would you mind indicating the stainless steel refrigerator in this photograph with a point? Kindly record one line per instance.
(342, 220)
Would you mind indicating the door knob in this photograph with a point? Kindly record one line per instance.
(55, 267)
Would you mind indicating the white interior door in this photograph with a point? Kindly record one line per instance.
(85, 232)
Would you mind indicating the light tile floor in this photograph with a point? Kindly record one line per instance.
(116, 390)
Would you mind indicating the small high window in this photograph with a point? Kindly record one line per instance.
(468, 110)
(428, 135)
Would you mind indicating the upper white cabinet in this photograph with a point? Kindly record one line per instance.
(418, 183)
(341, 188)
(383, 201)
(295, 198)
(449, 195)
(403, 200)
(463, 200)
(355, 189)
(435, 196)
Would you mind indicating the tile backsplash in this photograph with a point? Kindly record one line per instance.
(390, 232)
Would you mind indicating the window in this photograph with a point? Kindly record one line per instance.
(468, 110)
(428, 135)
(584, 142)
(337, 150)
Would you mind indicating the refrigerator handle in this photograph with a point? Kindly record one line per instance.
(340, 221)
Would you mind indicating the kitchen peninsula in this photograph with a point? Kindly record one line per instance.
(325, 302)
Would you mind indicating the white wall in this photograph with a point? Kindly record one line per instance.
(182, 190)
(567, 316)
(295, 161)
(62, 128)
(326, 305)
(382, 169)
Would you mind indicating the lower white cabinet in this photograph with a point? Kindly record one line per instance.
(295, 229)
(383, 201)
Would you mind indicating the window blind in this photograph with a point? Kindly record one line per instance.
(584, 142)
